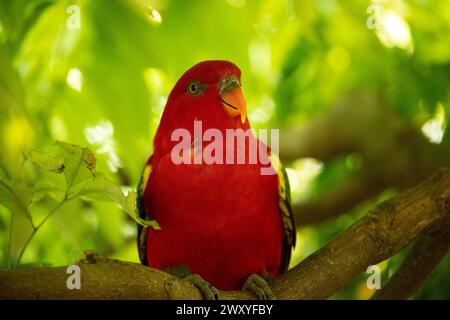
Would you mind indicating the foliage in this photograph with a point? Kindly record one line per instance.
(104, 86)
(77, 164)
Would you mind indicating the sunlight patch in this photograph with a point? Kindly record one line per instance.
(155, 79)
(17, 133)
(58, 128)
(263, 110)
(158, 84)
(74, 79)
(301, 174)
(393, 31)
(154, 15)
(260, 57)
(101, 137)
(434, 128)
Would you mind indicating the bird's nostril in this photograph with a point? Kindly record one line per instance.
(227, 84)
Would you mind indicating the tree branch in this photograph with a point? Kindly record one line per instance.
(381, 233)
(427, 252)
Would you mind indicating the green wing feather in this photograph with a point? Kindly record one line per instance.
(141, 231)
(287, 215)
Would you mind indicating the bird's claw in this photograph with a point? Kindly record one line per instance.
(208, 291)
(258, 286)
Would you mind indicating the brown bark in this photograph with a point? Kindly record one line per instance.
(427, 252)
(381, 233)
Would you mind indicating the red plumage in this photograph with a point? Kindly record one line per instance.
(221, 221)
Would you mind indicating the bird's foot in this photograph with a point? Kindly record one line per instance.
(207, 290)
(258, 286)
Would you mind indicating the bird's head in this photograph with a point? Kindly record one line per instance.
(210, 92)
(214, 86)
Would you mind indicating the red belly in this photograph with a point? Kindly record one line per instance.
(220, 221)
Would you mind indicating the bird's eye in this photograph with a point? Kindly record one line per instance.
(195, 88)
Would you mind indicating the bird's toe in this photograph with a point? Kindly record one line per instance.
(208, 291)
(256, 285)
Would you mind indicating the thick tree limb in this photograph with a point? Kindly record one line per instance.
(101, 278)
(427, 252)
(381, 233)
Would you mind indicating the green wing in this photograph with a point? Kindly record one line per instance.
(287, 215)
(141, 231)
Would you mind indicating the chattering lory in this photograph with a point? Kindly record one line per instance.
(226, 223)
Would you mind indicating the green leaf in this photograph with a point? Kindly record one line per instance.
(43, 188)
(102, 189)
(132, 210)
(79, 163)
(44, 161)
(16, 197)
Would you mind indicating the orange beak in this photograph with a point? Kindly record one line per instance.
(234, 102)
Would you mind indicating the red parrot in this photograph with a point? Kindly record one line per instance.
(223, 222)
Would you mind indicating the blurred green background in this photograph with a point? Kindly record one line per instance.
(360, 90)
